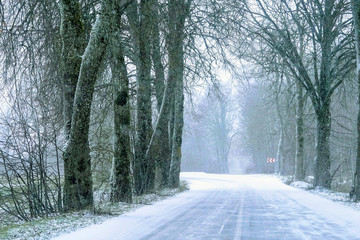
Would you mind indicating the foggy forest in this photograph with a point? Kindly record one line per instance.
(104, 103)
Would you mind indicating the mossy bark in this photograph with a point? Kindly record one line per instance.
(178, 11)
(73, 45)
(120, 173)
(144, 167)
(72, 36)
(78, 193)
(156, 55)
(159, 147)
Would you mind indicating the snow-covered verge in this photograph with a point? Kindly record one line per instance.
(222, 206)
(336, 196)
(47, 228)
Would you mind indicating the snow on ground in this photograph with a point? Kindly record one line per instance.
(232, 207)
(41, 229)
(340, 197)
(301, 184)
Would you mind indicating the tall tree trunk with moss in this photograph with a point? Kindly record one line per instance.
(356, 16)
(120, 173)
(144, 167)
(78, 192)
(73, 37)
(159, 147)
(178, 11)
(73, 44)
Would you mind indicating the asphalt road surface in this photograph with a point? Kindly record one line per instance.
(232, 207)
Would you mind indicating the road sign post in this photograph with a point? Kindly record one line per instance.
(272, 160)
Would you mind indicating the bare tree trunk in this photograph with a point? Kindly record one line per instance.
(78, 192)
(280, 148)
(73, 44)
(299, 136)
(178, 11)
(224, 138)
(156, 55)
(73, 34)
(322, 164)
(144, 167)
(322, 87)
(120, 173)
(299, 158)
(174, 179)
(356, 16)
(279, 153)
(159, 146)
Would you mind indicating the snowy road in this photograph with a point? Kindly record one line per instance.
(232, 207)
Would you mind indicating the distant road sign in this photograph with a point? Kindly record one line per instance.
(271, 160)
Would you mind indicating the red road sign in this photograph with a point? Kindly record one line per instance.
(271, 160)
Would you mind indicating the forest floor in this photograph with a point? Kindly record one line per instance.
(47, 228)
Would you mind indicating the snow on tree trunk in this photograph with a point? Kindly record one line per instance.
(120, 181)
(78, 193)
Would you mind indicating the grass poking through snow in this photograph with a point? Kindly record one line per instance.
(47, 228)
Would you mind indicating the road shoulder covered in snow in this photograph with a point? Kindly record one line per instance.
(257, 198)
(299, 213)
(335, 196)
(41, 229)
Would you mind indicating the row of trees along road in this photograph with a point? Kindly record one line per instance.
(94, 96)
(92, 84)
(81, 80)
(106, 38)
(305, 51)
